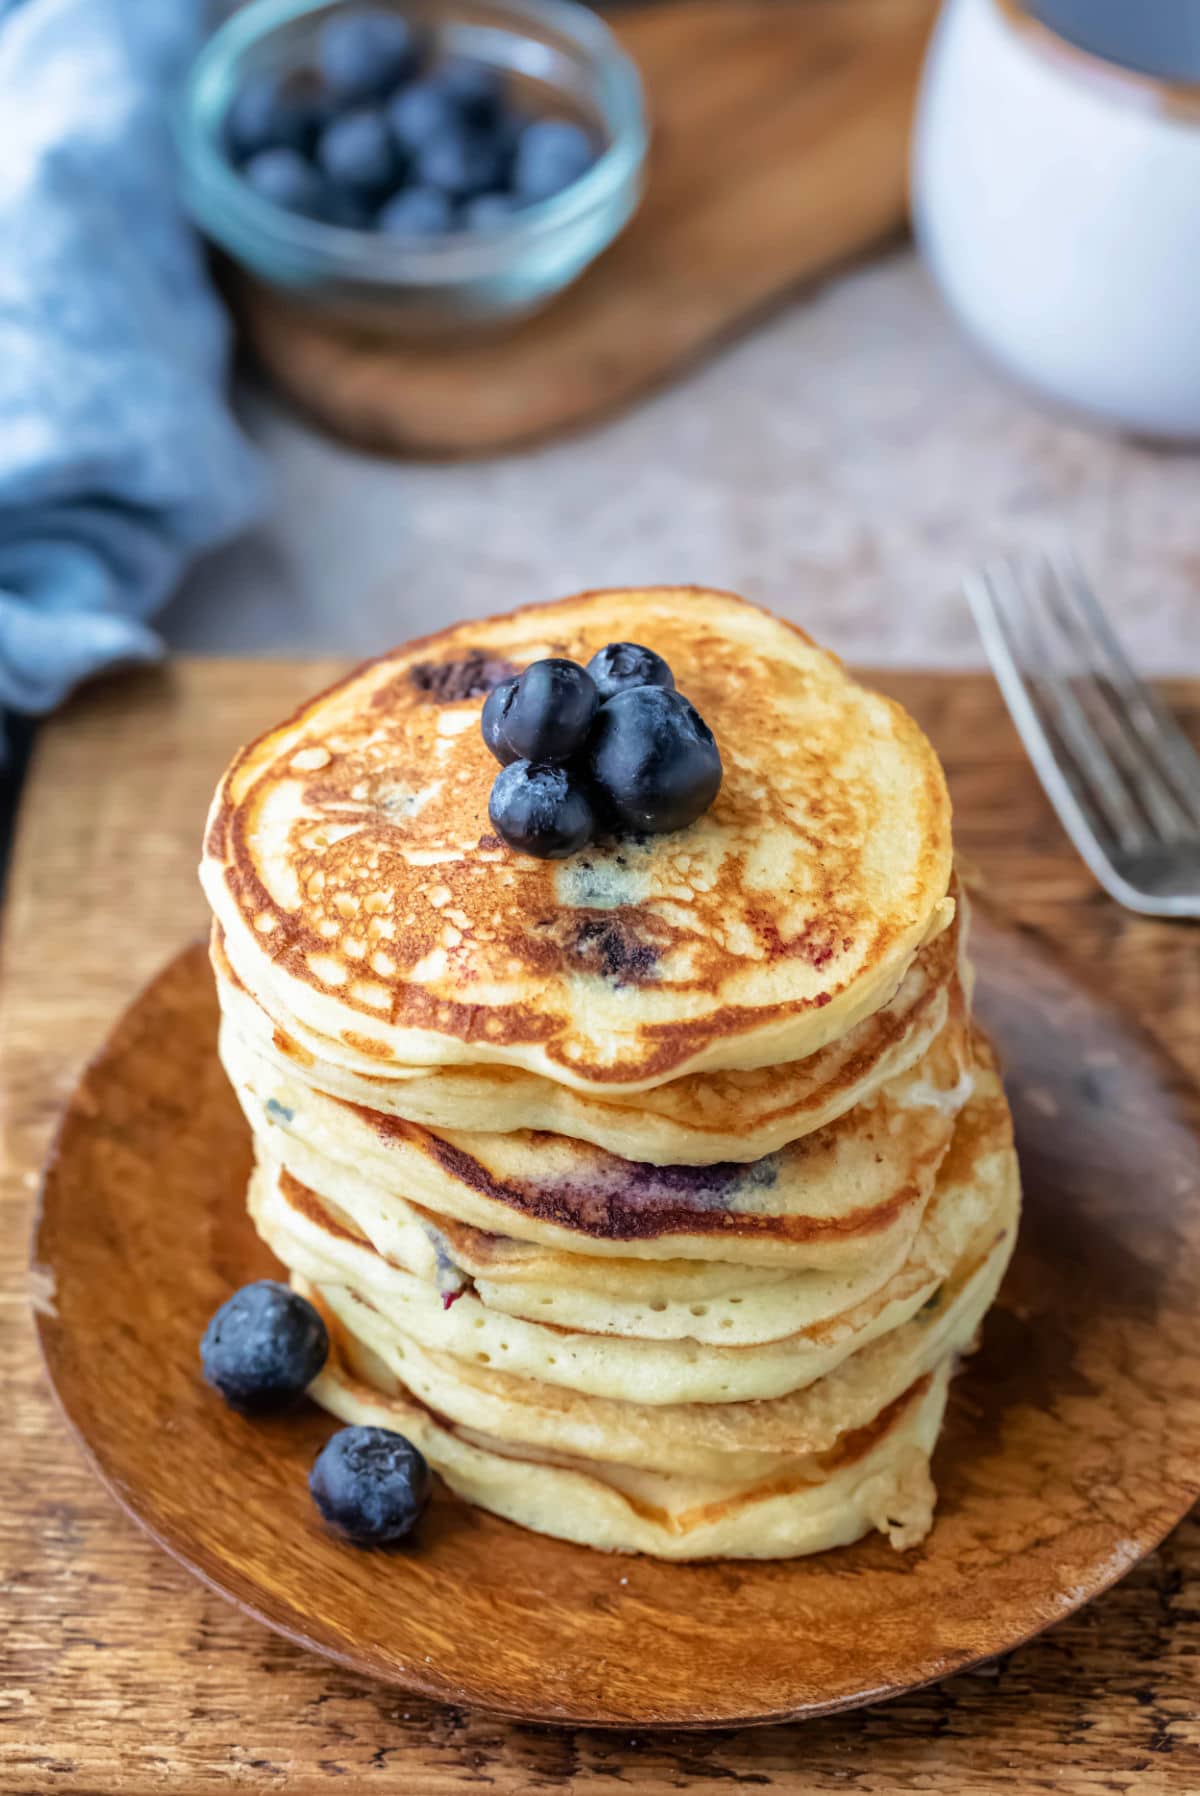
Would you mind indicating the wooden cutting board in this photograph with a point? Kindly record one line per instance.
(780, 137)
(122, 1674)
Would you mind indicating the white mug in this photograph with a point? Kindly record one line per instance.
(1056, 198)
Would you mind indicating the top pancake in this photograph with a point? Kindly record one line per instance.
(350, 861)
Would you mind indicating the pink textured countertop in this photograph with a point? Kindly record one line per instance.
(845, 464)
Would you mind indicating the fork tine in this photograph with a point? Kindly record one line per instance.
(1086, 826)
(1095, 692)
(1146, 716)
(1085, 750)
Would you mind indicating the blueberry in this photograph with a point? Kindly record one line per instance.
(263, 1348)
(271, 112)
(619, 665)
(462, 161)
(356, 151)
(416, 212)
(541, 810)
(495, 710)
(421, 111)
(654, 759)
(285, 179)
(364, 54)
(487, 210)
(475, 89)
(550, 154)
(370, 1485)
(551, 710)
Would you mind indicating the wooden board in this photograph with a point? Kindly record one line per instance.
(780, 150)
(120, 1673)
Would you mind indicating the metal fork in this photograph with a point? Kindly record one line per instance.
(1122, 776)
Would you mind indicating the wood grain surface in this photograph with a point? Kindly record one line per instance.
(119, 1673)
(780, 143)
(1071, 1443)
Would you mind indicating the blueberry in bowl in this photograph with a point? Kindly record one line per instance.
(463, 163)
(423, 110)
(286, 178)
(417, 212)
(449, 162)
(549, 155)
(273, 110)
(363, 52)
(357, 153)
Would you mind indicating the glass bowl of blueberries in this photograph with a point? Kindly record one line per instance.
(428, 166)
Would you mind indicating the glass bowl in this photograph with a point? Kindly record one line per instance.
(558, 56)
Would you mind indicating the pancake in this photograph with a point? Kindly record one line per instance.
(769, 1306)
(654, 1194)
(699, 1119)
(877, 1477)
(714, 1440)
(850, 1194)
(310, 1239)
(350, 862)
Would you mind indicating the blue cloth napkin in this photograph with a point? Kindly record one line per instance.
(119, 460)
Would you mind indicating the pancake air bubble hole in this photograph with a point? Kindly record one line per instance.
(658, 1307)
(699, 1309)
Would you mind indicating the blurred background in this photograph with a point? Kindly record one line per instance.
(259, 407)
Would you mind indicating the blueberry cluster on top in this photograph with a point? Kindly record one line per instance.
(383, 136)
(612, 746)
(261, 1350)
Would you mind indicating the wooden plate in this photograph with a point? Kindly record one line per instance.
(1072, 1445)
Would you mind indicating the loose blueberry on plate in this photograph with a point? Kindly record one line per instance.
(356, 151)
(287, 180)
(370, 1485)
(463, 162)
(551, 710)
(263, 1348)
(550, 154)
(619, 665)
(654, 759)
(271, 112)
(544, 811)
(495, 710)
(416, 212)
(363, 55)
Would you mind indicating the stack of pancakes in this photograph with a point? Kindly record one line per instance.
(654, 1193)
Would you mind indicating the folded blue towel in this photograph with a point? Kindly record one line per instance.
(119, 460)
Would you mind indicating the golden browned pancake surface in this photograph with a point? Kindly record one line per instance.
(352, 866)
